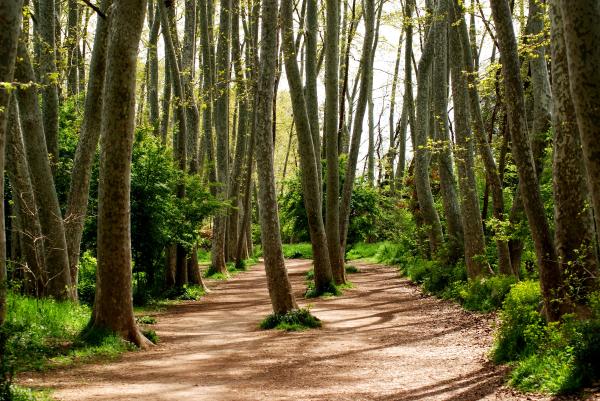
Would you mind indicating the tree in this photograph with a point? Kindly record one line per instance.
(306, 149)
(582, 33)
(77, 201)
(221, 120)
(280, 289)
(550, 277)
(113, 307)
(10, 19)
(574, 232)
(57, 259)
(332, 59)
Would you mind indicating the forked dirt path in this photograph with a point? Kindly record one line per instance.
(382, 340)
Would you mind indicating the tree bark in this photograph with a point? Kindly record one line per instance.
(221, 117)
(280, 289)
(10, 20)
(574, 223)
(332, 60)
(441, 134)
(550, 277)
(17, 170)
(474, 241)
(113, 307)
(77, 201)
(491, 170)
(48, 74)
(57, 259)
(308, 158)
(582, 35)
(365, 65)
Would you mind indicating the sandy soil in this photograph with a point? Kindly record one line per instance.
(382, 340)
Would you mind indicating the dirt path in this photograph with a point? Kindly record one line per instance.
(381, 341)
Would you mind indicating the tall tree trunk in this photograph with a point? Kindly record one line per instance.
(48, 74)
(308, 158)
(10, 19)
(392, 125)
(477, 124)
(221, 117)
(113, 307)
(72, 46)
(550, 277)
(574, 223)
(153, 66)
(170, 36)
(278, 283)
(17, 170)
(166, 104)
(408, 107)
(332, 223)
(187, 77)
(582, 35)
(365, 65)
(57, 259)
(422, 154)
(474, 241)
(312, 100)
(441, 134)
(77, 201)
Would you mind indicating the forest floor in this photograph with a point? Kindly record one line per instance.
(382, 340)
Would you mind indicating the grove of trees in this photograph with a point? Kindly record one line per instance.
(145, 133)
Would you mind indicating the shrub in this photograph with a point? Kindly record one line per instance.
(294, 320)
(86, 285)
(522, 326)
(486, 294)
(298, 251)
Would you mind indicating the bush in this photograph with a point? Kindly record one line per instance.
(86, 285)
(486, 294)
(294, 320)
(522, 326)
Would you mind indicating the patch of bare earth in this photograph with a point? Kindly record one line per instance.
(382, 340)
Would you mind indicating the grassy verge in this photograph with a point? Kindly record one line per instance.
(551, 358)
(333, 290)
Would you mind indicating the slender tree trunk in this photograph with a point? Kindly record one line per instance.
(441, 134)
(113, 307)
(48, 74)
(332, 60)
(17, 170)
(474, 241)
(280, 289)
(10, 20)
(72, 45)
(166, 104)
(366, 64)
(408, 109)
(582, 35)
(392, 125)
(308, 158)
(221, 117)
(77, 201)
(491, 170)
(574, 223)
(57, 259)
(422, 155)
(312, 101)
(550, 277)
(153, 105)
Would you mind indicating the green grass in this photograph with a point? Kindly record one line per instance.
(295, 320)
(364, 251)
(43, 333)
(146, 319)
(297, 251)
(25, 394)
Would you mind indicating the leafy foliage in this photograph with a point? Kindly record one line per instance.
(294, 320)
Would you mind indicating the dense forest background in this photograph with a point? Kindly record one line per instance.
(149, 145)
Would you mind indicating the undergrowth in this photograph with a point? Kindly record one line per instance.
(294, 320)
